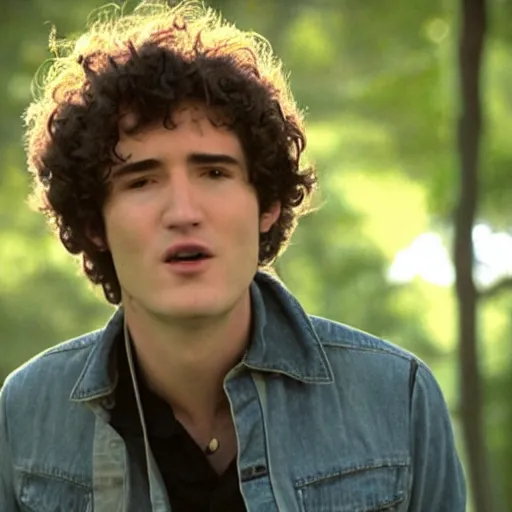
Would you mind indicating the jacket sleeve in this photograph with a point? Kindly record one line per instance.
(438, 483)
(7, 497)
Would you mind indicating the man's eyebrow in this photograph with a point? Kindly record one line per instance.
(213, 158)
(149, 164)
(134, 167)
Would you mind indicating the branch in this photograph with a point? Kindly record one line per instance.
(499, 287)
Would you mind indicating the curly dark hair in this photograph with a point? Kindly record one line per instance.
(148, 62)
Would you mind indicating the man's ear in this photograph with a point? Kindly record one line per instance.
(269, 218)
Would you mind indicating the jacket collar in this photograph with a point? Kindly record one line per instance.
(283, 341)
(283, 338)
(99, 375)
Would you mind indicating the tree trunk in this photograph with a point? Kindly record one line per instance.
(473, 22)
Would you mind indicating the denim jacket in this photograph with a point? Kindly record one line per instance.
(328, 419)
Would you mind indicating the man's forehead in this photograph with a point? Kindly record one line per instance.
(213, 135)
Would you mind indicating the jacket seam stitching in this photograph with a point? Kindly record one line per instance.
(58, 350)
(53, 476)
(304, 482)
(407, 357)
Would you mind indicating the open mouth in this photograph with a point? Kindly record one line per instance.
(187, 253)
(184, 257)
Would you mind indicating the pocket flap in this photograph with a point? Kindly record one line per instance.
(41, 493)
(369, 489)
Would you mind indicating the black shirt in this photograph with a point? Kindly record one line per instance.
(192, 484)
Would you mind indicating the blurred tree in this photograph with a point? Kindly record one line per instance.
(473, 25)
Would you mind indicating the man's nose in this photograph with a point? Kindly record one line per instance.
(182, 205)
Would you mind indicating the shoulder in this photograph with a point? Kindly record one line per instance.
(377, 371)
(358, 351)
(335, 335)
(54, 365)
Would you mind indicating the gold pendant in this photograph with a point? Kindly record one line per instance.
(213, 446)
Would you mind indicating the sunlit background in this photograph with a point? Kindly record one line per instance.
(378, 81)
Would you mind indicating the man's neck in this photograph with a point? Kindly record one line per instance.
(186, 366)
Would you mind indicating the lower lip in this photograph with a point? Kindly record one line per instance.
(188, 267)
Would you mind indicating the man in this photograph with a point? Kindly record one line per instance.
(166, 151)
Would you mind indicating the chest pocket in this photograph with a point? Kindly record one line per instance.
(40, 493)
(368, 489)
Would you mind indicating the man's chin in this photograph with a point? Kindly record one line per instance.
(192, 313)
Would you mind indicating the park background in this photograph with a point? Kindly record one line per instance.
(381, 86)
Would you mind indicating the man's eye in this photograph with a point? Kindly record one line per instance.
(138, 183)
(216, 173)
